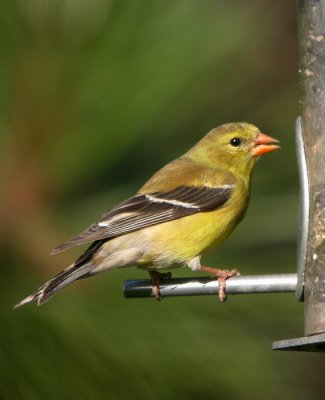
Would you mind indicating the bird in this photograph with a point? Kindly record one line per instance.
(189, 206)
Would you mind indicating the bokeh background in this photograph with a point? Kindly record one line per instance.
(94, 97)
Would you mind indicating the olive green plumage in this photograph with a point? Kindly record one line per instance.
(188, 206)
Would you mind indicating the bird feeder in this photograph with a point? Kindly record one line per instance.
(311, 142)
(309, 281)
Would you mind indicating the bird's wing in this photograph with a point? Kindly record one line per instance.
(144, 210)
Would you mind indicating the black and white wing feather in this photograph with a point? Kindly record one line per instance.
(145, 210)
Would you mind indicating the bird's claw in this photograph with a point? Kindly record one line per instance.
(222, 275)
(156, 278)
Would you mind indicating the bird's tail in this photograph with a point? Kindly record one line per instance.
(50, 288)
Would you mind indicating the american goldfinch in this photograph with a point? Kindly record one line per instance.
(187, 207)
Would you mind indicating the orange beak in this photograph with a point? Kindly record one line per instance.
(263, 144)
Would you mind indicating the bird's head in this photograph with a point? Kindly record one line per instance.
(235, 147)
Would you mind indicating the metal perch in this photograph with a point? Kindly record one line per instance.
(209, 286)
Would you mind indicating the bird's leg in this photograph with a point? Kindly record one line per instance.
(222, 275)
(156, 278)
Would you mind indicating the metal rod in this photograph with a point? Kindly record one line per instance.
(209, 286)
(303, 220)
(311, 15)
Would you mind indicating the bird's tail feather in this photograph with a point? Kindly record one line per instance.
(51, 287)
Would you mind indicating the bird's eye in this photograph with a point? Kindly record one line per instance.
(235, 142)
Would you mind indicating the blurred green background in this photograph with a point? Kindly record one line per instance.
(96, 96)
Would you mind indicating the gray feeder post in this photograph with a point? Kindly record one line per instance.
(312, 75)
(311, 22)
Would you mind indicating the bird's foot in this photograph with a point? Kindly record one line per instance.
(222, 275)
(156, 278)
